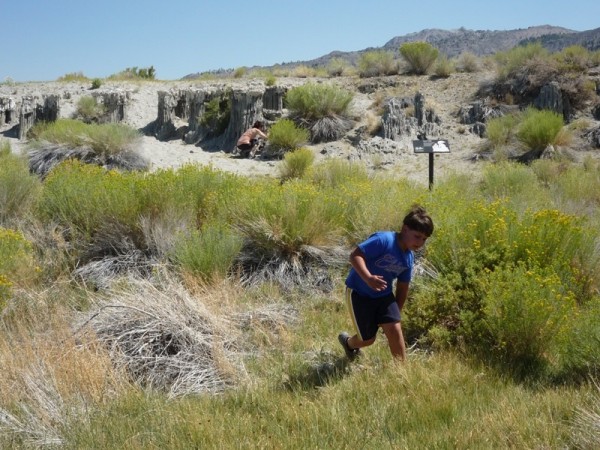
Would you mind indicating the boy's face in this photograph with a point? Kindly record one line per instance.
(411, 239)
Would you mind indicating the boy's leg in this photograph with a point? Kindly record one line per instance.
(356, 343)
(352, 344)
(351, 353)
(393, 332)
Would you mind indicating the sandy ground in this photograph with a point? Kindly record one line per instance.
(141, 111)
(444, 96)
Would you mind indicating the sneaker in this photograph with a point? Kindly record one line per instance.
(351, 353)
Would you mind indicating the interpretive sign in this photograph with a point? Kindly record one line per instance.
(431, 146)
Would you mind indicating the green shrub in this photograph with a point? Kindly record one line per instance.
(443, 67)
(240, 72)
(336, 67)
(292, 233)
(574, 58)
(16, 262)
(420, 56)
(135, 73)
(538, 129)
(322, 109)
(547, 171)
(106, 139)
(19, 190)
(377, 63)
(270, 79)
(580, 187)
(525, 309)
(368, 208)
(280, 220)
(96, 83)
(216, 115)
(295, 164)
(209, 252)
(578, 354)
(73, 76)
(493, 263)
(285, 136)
(85, 198)
(89, 110)
(467, 62)
(508, 180)
(510, 62)
(500, 131)
(313, 101)
(303, 71)
(335, 172)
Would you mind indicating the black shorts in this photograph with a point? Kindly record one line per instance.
(368, 313)
(248, 146)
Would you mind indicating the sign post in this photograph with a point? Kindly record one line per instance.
(431, 147)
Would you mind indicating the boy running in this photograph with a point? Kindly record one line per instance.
(376, 262)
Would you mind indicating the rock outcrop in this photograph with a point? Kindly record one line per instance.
(396, 123)
(551, 98)
(242, 108)
(34, 109)
(7, 110)
(115, 105)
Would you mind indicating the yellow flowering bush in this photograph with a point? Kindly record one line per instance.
(16, 262)
(526, 312)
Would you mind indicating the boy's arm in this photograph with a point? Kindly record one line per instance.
(401, 293)
(261, 134)
(358, 261)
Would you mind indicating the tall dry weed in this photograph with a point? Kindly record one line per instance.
(50, 377)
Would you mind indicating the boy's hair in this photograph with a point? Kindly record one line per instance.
(258, 124)
(418, 220)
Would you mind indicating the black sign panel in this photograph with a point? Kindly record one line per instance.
(431, 146)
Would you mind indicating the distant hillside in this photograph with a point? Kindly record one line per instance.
(479, 42)
(454, 42)
(556, 42)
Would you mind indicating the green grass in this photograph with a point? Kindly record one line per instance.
(430, 403)
(19, 190)
(105, 139)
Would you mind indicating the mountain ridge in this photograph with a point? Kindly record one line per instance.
(454, 42)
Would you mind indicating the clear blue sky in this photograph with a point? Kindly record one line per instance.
(42, 40)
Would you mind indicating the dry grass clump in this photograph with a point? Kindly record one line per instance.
(586, 424)
(164, 338)
(332, 128)
(110, 145)
(42, 159)
(307, 269)
(101, 273)
(49, 378)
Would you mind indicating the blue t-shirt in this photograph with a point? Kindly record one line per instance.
(384, 257)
